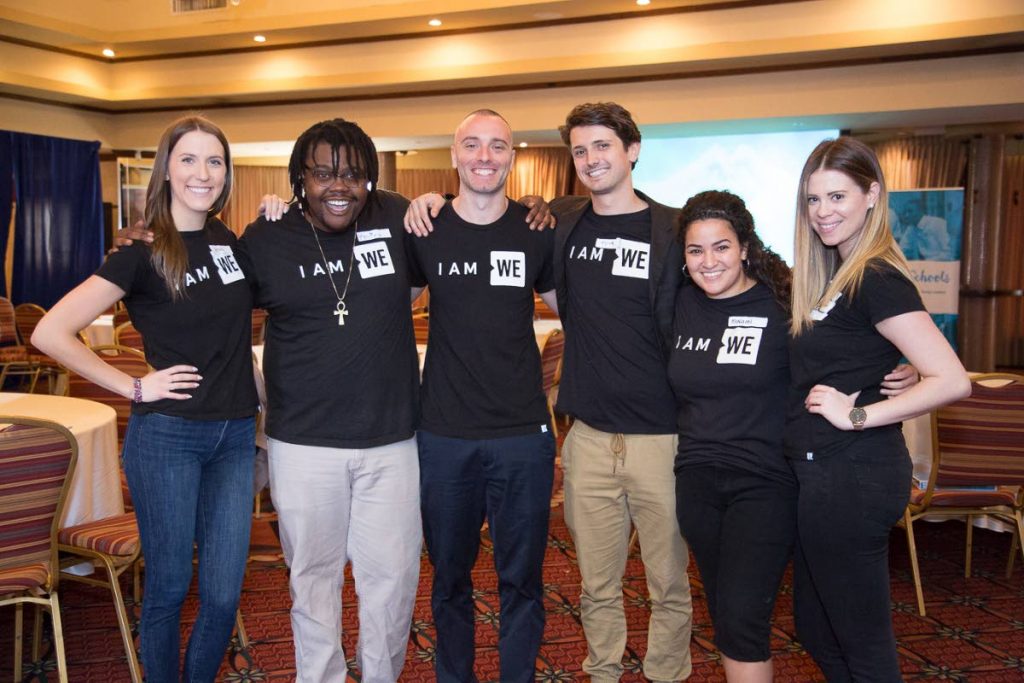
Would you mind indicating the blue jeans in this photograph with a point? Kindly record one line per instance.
(508, 480)
(191, 483)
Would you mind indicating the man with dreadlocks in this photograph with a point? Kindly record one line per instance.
(342, 380)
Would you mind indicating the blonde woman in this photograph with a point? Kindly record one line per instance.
(189, 449)
(855, 312)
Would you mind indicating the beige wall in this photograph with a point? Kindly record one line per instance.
(923, 94)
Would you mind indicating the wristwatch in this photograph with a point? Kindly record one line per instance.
(858, 416)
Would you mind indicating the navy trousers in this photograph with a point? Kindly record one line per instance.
(507, 481)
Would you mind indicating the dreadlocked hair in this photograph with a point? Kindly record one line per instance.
(360, 153)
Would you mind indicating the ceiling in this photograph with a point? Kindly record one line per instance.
(147, 29)
(685, 66)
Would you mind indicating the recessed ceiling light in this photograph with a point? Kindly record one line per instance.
(434, 22)
(643, 2)
(524, 144)
(259, 38)
(107, 52)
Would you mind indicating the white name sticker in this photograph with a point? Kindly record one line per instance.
(378, 234)
(508, 269)
(227, 266)
(606, 243)
(632, 259)
(374, 260)
(747, 321)
(822, 313)
(740, 346)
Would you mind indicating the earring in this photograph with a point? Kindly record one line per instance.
(685, 274)
(870, 206)
(369, 185)
(303, 192)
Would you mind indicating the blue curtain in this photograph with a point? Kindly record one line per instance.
(6, 195)
(58, 225)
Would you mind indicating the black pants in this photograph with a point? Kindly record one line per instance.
(741, 527)
(508, 481)
(848, 504)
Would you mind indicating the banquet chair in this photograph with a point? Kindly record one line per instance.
(37, 460)
(977, 464)
(26, 317)
(541, 310)
(14, 355)
(120, 315)
(114, 544)
(128, 360)
(259, 326)
(421, 327)
(125, 334)
(551, 370)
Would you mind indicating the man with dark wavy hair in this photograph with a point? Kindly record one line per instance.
(617, 266)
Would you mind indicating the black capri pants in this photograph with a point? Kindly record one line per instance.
(741, 527)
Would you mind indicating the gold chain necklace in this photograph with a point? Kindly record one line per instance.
(340, 310)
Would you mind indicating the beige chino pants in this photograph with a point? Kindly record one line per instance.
(614, 482)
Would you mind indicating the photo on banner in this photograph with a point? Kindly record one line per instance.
(929, 227)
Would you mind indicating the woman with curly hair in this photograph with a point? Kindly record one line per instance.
(735, 493)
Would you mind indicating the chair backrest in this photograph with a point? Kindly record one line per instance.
(26, 317)
(125, 334)
(8, 327)
(421, 328)
(37, 460)
(551, 358)
(979, 440)
(259, 326)
(120, 316)
(125, 359)
(541, 310)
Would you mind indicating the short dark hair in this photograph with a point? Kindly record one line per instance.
(607, 114)
(763, 264)
(360, 153)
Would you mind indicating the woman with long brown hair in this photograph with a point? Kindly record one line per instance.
(855, 312)
(188, 452)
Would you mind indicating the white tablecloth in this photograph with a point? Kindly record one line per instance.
(100, 331)
(96, 485)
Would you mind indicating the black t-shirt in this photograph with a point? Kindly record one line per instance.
(729, 368)
(210, 327)
(613, 375)
(842, 349)
(482, 376)
(342, 386)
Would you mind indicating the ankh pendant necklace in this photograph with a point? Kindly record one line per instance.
(340, 310)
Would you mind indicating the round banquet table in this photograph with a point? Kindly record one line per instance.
(95, 490)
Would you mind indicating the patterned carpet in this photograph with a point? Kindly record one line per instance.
(974, 630)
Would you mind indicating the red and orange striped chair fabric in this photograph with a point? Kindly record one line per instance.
(977, 463)
(129, 361)
(120, 316)
(259, 326)
(118, 535)
(541, 310)
(37, 461)
(125, 334)
(26, 317)
(421, 327)
(551, 369)
(11, 348)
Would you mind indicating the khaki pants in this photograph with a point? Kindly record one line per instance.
(611, 481)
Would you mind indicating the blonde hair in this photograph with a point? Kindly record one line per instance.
(168, 254)
(819, 275)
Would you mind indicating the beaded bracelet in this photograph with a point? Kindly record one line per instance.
(137, 390)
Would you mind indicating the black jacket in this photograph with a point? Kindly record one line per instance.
(666, 258)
